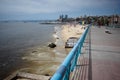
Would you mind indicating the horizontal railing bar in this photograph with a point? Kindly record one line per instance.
(59, 74)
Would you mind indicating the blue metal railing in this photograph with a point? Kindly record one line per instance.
(70, 61)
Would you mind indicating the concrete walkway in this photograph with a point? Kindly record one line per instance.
(105, 50)
(100, 57)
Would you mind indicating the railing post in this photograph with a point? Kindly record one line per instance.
(66, 77)
(73, 63)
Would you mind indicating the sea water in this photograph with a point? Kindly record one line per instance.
(23, 46)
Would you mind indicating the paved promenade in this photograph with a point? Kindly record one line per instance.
(99, 60)
(105, 50)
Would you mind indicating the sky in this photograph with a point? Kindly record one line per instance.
(51, 9)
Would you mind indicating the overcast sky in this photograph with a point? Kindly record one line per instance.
(51, 9)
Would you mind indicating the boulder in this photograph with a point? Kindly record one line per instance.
(52, 45)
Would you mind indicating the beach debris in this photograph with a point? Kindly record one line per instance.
(18, 75)
(47, 75)
(71, 42)
(52, 45)
(107, 31)
(34, 51)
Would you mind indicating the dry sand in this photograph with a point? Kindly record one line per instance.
(71, 31)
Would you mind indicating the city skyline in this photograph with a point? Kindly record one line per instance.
(51, 9)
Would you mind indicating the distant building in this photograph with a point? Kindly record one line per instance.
(63, 18)
(66, 17)
(60, 18)
(119, 19)
(96, 20)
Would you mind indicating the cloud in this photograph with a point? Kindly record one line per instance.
(29, 7)
(49, 6)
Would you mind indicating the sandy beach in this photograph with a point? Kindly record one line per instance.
(53, 56)
(71, 30)
(46, 60)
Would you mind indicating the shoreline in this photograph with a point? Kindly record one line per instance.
(54, 56)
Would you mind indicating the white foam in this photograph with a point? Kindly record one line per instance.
(55, 36)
